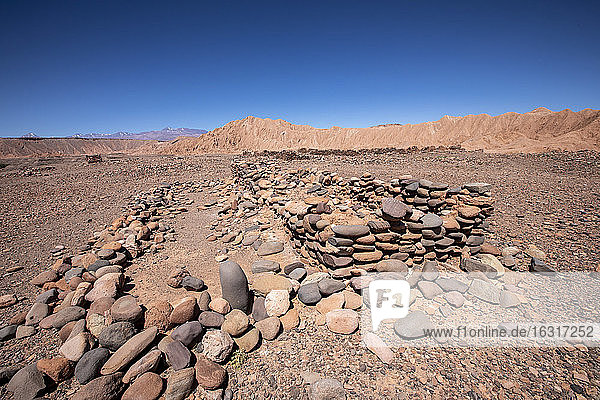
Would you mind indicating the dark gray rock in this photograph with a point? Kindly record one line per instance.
(192, 283)
(234, 285)
(211, 319)
(178, 356)
(292, 266)
(27, 383)
(73, 272)
(188, 333)
(258, 309)
(47, 297)
(89, 365)
(8, 332)
(309, 294)
(98, 264)
(115, 335)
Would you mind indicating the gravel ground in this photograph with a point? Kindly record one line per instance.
(550, 200)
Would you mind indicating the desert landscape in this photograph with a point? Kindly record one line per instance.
(65, 223)
(336, 200)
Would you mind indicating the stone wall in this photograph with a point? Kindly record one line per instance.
(409, 219)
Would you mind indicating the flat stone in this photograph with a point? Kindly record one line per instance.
(259, 311)
(478, 187)
(391, 265)
(179, 384)
(368, 256)
(147, 387)
(509, 299)
(485, 291)
(47, 297)
(393, 209)
(268, 248)
(36, 313)
(265, 266)
(191, 283)
(115, 335)
(217, 345)
(129, 351)
(350, 231)
(209, 374)
(288, 269)
(147, 363)
(455, 299)
(103, 388)
(376, 345)
(309, 294)
(27, 383)
(333, 302)
(342, 321)
(66, 315)
(269, 327)
(24, 331)
(429, 289)
(413, 325)
(74, 348)
(89, 365)
(329, 286)
(290, 320)
(266, 282)
(431, 221)
(234, 285)
(8, 300)
(249, 340)
(211, 319)
(451, 284)
(188, 333)
(298, 274)
(127, 309)
(178, 356)
(44, 277)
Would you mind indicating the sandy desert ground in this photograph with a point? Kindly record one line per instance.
(550, 200)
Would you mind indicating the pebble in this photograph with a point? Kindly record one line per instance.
(129, 351)
(326, 389)
(277, 303)
(309, 294)
(209, 374)
(105, 388)
(342, 321)
(265, 266)
(126, 309)
(146, 387)
(217, 345)
(178, 356)
(211, 319)
(89, 365)
(249, 340)
(179, 384)
(188, 333)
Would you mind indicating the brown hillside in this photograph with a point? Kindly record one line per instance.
(12, 148)
(536, 131)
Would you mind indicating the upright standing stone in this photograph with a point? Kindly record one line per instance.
(234, 285)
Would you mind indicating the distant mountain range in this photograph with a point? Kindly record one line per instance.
(165, 134)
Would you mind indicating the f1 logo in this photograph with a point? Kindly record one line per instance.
(389, 299)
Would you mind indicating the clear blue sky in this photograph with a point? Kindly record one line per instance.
(102, 66)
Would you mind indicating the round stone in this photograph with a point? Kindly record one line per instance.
(217, 345)
(115, 335)
(234, 285)
(309, 294)
(269, 327)
(146, 387)
(126, 308)
(236, 322)
(342, 321)
(277, 302)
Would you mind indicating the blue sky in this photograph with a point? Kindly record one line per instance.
(101, 66)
